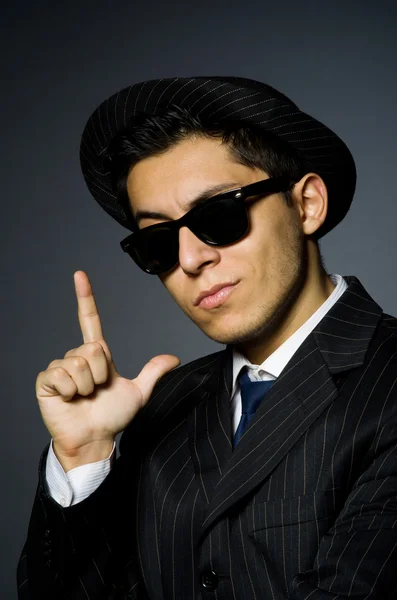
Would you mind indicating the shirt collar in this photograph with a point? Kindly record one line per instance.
(275, 363)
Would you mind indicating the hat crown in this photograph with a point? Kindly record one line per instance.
(219, 99)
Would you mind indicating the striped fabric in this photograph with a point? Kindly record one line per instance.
(218, 99)
(305, 507)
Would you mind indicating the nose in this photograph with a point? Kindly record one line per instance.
(194, 254)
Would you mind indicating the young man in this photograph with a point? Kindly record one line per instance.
(266, 470)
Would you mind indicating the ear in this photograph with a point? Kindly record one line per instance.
(311, 198)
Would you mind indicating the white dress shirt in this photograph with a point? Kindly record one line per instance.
(77, 484)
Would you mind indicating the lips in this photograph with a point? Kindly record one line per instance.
(215, 295)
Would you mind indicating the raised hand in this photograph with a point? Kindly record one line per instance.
(83, 400)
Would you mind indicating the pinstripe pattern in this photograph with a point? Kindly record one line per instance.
(304, 507)
(216, 99)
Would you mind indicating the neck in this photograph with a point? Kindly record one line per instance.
(315, 290)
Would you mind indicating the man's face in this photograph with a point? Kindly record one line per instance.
(262, 273)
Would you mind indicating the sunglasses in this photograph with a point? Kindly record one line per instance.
(218, 221)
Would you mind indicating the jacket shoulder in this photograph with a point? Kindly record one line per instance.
(384, 344)
(389, 321)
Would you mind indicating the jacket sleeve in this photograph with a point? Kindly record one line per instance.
(357, 558)
(84, 551)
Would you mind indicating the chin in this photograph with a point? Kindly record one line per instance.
(245, 327)
(236, 333)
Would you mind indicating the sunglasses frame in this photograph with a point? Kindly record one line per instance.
(260, 189)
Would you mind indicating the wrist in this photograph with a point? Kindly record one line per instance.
(89, 453)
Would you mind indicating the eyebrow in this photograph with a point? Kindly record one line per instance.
(205, 195)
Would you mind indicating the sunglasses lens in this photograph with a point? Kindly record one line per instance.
(156, 250)
(220, 222)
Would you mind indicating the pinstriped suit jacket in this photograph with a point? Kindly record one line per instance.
(304, 507)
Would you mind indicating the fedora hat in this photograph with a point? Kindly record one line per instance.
(218, 100)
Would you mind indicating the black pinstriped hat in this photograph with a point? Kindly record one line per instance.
(219, 99)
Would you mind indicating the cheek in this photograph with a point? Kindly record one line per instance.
(257, 248)
(173, 282)
(271, 231)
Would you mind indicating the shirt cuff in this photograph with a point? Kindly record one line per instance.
(77, 484)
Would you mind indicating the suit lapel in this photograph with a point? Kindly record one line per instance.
(301, 393)
(210, 428)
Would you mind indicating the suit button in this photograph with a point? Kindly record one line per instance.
(209, 580)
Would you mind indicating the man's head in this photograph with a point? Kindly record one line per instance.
(162, 164)
(239, 131)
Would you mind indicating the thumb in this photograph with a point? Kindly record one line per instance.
(153, 371)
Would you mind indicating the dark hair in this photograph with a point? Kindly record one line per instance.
(148, 136)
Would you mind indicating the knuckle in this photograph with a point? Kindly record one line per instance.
(53, 363)
(79, 363)
(58, 372)
(95, 348)
(70, 353)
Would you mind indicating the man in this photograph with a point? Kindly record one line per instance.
(267, 470)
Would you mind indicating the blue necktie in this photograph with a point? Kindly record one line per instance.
(252, 394)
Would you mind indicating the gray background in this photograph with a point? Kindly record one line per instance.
(336, 60)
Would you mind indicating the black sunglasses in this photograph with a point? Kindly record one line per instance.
(217, 221)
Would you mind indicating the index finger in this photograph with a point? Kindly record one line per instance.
(90, 322)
